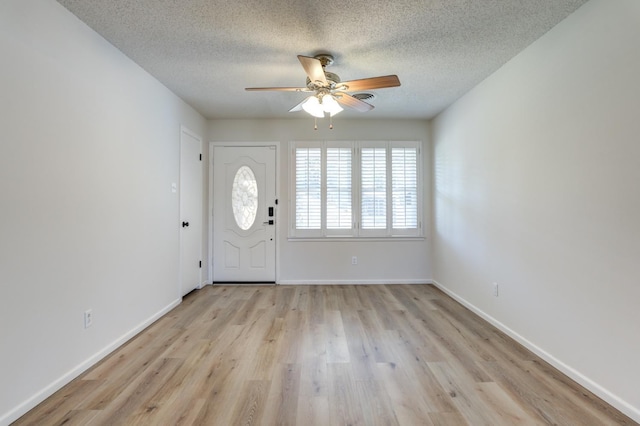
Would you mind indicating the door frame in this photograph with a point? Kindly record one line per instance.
(277, 217)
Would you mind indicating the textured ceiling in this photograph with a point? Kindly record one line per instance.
(208, 51)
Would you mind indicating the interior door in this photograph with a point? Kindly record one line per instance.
(244, 219)
(190, 211)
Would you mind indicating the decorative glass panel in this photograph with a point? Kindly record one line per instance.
(244, 197)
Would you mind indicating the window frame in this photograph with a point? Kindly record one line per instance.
(356, 231)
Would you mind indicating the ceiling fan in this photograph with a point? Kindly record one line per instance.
(329, 92)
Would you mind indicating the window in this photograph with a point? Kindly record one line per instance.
(404, 181)
(339, 194)
(308, 185)
(356, 189)
(244, 198)
(373, 184)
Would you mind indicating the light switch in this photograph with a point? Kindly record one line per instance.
(174, 187)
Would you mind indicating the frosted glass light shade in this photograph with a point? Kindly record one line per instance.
(313, 107)
(330, 105)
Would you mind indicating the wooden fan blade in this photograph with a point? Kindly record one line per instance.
(313, 68)
(371, 83)
(277, 89)
(355, 103)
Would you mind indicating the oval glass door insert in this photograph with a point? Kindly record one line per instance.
(244, 197)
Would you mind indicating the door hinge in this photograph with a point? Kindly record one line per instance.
(200, 264)
(200, 157)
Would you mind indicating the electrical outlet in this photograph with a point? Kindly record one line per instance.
(354, 260)
(88, 318)
(495, 289)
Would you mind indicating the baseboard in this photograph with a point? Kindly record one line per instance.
(203, 284)
(353, 282)
(56, 385)
(601, 392)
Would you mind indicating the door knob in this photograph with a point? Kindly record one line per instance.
(185, 224)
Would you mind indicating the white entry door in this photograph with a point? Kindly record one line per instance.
(244, 205)
(190, 211)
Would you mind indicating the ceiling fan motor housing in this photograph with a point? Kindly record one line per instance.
(332, 79)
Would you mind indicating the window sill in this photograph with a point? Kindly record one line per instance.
(354, 239)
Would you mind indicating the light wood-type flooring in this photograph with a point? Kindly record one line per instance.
(322, 355)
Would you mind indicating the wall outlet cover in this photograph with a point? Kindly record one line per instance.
(88, 318)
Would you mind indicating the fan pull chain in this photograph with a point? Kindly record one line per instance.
(315, 124)
(330, 123)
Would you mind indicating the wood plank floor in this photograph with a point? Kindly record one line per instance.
(322, 355)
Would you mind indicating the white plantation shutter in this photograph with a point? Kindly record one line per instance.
(373, 174)
(404, 188)
(339, 194)
(365, 189)
(308, 188)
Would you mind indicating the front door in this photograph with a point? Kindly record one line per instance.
(244, 204)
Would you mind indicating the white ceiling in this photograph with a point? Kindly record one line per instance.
(208, 51)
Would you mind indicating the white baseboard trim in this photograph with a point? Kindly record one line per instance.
(56, 385)
(352, 282)
(203, 284)
(573, 374)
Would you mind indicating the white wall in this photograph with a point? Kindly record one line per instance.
(89, 148)
(536, 187)
(323, 262)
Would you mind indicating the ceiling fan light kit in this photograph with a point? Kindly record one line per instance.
(318, 105)
(330, 93)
